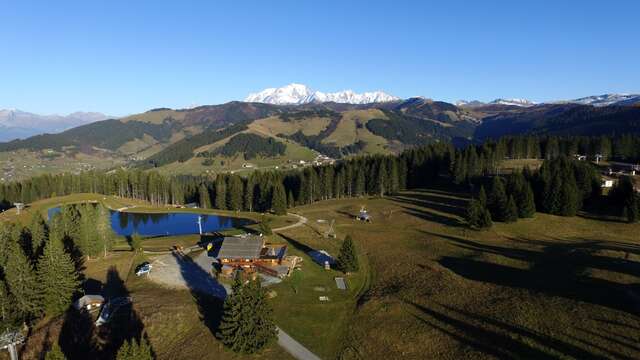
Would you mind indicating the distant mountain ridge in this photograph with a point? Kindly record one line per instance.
(17, 124)
(297, 94)
(595, 100)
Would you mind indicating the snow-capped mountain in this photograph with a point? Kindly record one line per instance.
(295, 94)
(510, 102)
(513, 102)
(606, 100)
(16, 124)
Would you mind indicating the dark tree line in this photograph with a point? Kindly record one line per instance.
(561, 186)
(250, 145)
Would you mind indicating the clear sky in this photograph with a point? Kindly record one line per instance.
(122, 57)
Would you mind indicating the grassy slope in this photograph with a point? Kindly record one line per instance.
(274, 125)
(347, 131)
(543, 287)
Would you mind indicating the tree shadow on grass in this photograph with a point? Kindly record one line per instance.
(504, 340)
(557, 269)
(207, 293)
(80, 338)
(432, 207)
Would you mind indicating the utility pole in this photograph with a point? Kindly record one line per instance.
(10, 341)
(200, 223)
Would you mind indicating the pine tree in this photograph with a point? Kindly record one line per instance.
(135, 242)
(234, 195)
(57, 278)
(205, 198)
(221, 192)
(9, 317)
(497, 200)
(279, 199)
(134, 350)
(511, 211)
(39, 234)
(527, 206)
(290, 200)
(247, 322)
(478, 217)
(482, 197)
(265, 226)
(55, 353)
(347, 260)
(22, 283)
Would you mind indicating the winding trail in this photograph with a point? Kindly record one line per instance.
(301, 221)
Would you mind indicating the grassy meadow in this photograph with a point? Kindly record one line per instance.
(546, 287)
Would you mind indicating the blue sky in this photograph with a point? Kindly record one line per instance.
(122, 57)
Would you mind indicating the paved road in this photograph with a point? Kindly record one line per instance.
(179, 272)
(301, 221)
(294, 348)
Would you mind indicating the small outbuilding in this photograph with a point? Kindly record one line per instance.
(89, 302)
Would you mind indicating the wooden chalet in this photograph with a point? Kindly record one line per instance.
(251, 252)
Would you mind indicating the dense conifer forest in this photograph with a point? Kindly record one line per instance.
(561, 186)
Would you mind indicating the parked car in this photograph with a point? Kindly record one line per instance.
(110, 308)
(143, 269)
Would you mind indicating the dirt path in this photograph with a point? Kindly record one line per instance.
(301, 221)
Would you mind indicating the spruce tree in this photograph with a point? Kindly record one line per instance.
(247, 322)
(55, 353)
(39, 234)
(279, 199)
(221, 192)
(205, 198)
(478, 217)
(234, 195)
(135, 242)
(527, 206)
(497, 200)
(9, 317)
(347, 260)
(134, 350)
(511, 211)
(57, 278)
(22, 283)
(265, 226)
(290, 200)
(482, 197)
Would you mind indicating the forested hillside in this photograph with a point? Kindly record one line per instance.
(162, 137)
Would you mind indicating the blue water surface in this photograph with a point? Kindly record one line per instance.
(166, 224)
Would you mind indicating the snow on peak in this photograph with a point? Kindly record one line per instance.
(606, 99)
(513, 102)
(295, 94)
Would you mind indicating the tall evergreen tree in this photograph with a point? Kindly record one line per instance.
(205, 197)
(347, 260)
(527, 205)
(279, 199)
(247, 322)
(478, 217)
(221, 192)
(134, 350)
(39, 233)
(22, 283)
(511, 211)
(57, 278)
(497, 200)
(234, 195)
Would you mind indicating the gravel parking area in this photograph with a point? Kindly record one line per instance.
(186, 272)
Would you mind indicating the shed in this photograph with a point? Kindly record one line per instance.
(341, 283)
(89, 302)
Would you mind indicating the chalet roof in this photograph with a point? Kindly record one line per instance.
(88, 300)
(248, 247)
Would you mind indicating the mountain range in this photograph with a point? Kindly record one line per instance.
(296, 94)
(16, 124)
(226, 137)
